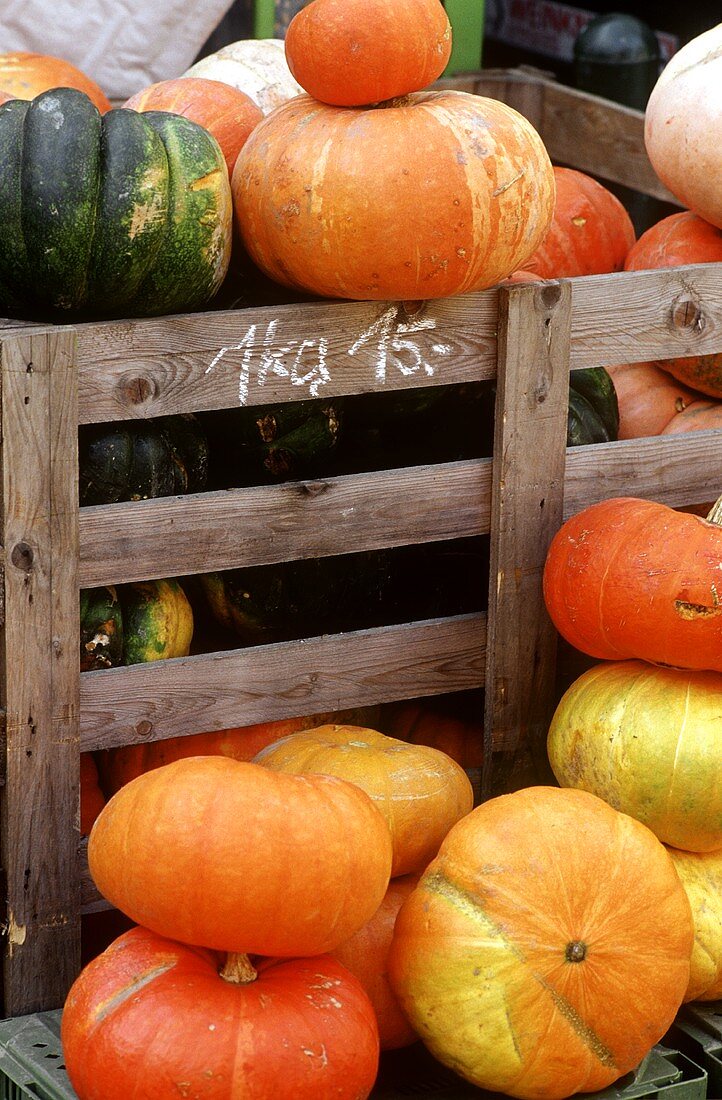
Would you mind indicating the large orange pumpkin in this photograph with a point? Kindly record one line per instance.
(436, 194)
(154, 1018)
(648, 741)
(546, 948)
(25, 75)
(420, 792)
(236, 857)
(366, 955)
(590, 234)
(353, 52)
(634, 578)
(225, 112)
(651, 401)
(683, 239)
(118, 766)
(701, 876)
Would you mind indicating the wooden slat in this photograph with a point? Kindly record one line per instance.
(261, 525)
(676, 470)
(39, 670)
(216, 360)
(241, 687)
(526, 511)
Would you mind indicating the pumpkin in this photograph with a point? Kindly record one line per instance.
(352, 52)
(25, 75)
(366, 953)
(236, 857)
(593, 415)
(138, 459)
(680, 125)
(449, 211)
(650, 400)
(590, 233)
(224, 111)
(132, 623)
(92, 798)
(426, 723)
(646, 739)
(256, 67)
(118, 766)
(5, 96)
(701, 876)
(125, 214)
(676, 240)
(161, 1019)
(700, 416)
(515, 955)
(634, 578)
(420, 792)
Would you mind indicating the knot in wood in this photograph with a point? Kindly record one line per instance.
(22, 556)
(313, 488)
(137, 389)
(143, 729)
(687, 314)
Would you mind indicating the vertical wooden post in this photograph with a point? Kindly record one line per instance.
(39, 668)
(526, 510)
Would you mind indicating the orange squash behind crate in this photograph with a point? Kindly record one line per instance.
(92, 798)
(423, 723)
(25, 75)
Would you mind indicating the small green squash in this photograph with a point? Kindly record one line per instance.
(138, 459)
(593, 409)
(101, 628)
(133, 623)
(127, 214)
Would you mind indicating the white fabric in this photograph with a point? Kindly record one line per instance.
(123, 45)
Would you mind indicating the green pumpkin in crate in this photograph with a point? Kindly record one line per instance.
(133, 623)
(593, 408)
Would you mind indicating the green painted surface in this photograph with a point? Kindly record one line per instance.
(467, 23)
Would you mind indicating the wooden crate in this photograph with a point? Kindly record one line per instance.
(528, 337)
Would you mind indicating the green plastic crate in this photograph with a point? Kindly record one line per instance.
(698, 1032)
(31, 1059)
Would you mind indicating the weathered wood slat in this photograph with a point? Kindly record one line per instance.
(241, 687)
(526, 511)
(216, 360)
(261, 525)
(39, 670)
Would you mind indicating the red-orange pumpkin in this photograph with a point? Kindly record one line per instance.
(634, 578)
(423, 723)
(92, 798)
(118, 766)
(546, 948)
(25, 75)
(150, 1017)
(420, 792)
(366, 955)
(652, 402)
(462, 193)
(354, 52)
(225, 112)
(590, 234)
(236, 857)
(5, 97)
(683, 239)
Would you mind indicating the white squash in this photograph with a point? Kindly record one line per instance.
(683, 123)
(257, 67)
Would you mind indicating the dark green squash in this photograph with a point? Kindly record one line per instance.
(132, 623)
(138, 459)
(101, 628)
(593, 409)
(124, 215)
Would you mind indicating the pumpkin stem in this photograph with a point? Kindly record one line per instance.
(715, 513)
(238, 969)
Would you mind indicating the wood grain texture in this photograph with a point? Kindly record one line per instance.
(240, 687)
(175, 536)
(526, 511)
(214, 360)
(39, 669)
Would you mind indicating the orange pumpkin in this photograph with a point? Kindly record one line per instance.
(225, 112)
(420, 792)
(590, 233)
(92, 798)
(118, 766)
(366, 953)
(650, 400)
(353, 52)
(236, 857)
(676, 240)
(5, 97)
(423, 723)
(154, 1018)
(647, 740)
(26, 75)
(701, 876)
(515, 956)
(462, 192)
(700, 416)
(634, 578)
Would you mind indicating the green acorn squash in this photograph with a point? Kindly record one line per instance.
(593, 409)
(132, 623)
(126, 214)
(138, 459)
